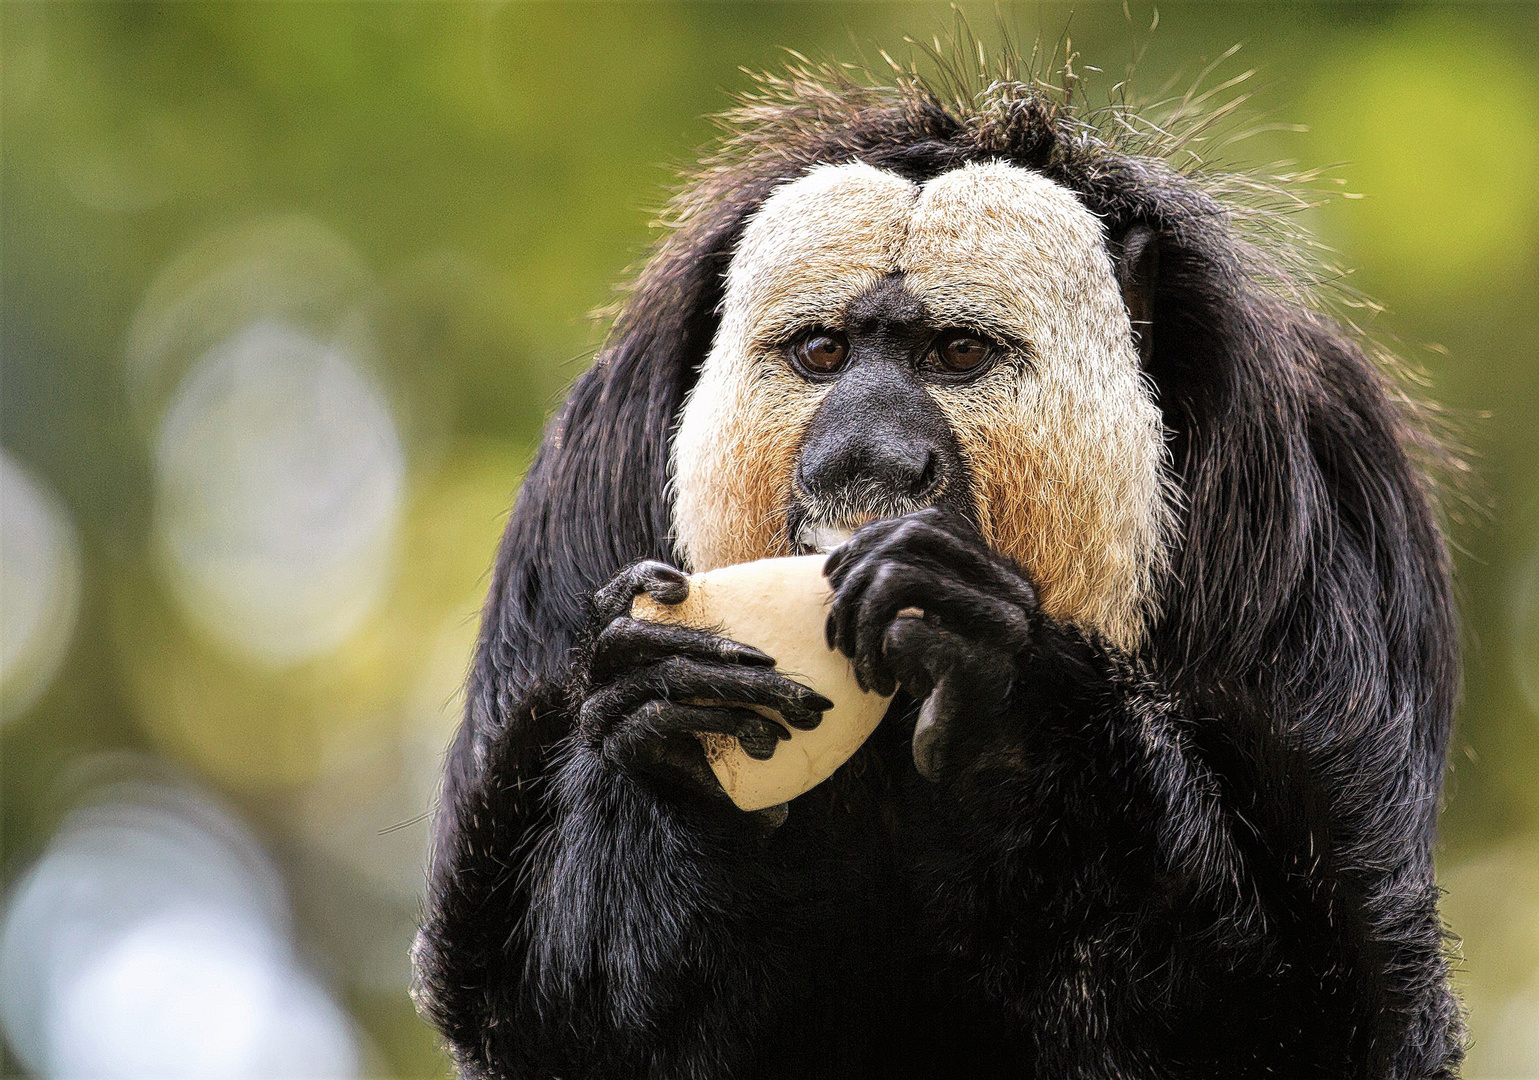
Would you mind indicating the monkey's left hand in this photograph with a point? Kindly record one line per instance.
(962, 658)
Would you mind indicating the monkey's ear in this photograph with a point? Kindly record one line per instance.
(1136, 258)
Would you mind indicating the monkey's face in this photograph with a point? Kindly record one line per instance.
(886, 346)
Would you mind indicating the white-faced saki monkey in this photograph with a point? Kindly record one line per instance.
(1156, 795)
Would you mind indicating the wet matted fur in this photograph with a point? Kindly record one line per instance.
(1227, 875)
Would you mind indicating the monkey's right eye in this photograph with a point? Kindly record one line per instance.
(821, 352)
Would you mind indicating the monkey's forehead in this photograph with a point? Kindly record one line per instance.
(987, 244)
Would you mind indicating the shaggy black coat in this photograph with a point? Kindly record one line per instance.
(1215, 860)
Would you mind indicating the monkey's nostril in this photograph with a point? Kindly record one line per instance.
(929, 475)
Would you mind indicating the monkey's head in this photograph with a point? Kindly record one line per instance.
(877, 298)
(887, 344)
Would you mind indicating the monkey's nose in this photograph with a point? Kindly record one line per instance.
(878, 440)
(906, 470)
(929, 476)
(913, 473)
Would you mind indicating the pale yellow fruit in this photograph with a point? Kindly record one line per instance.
(778, 606)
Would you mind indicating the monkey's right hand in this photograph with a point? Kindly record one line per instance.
(648, 689)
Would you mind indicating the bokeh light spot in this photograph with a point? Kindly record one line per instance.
(292, 270)
(39, 584)
(256, 727)
(152, 940)
(280, 476)
(193, 993)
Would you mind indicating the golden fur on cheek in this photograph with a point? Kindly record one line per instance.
(1058, 512)
(734, 483)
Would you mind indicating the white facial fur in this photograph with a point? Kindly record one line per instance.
(1064, 442)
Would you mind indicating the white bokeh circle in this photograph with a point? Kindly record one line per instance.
(195, 993)
(152, 940)
(39, 586)
(280, 477)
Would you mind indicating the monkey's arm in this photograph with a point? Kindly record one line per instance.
(594, 911)
(1135, 876)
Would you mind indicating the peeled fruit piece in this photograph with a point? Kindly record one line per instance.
(778, 606)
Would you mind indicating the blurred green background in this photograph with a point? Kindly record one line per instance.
(288, 290)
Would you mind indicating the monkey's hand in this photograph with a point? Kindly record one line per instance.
(962, 657)
(647, 689)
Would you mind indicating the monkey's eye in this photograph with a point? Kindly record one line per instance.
(821, 352)
(961, 351)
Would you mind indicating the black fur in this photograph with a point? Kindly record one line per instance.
(1212, 859)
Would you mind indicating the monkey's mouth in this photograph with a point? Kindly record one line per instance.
(817, 536)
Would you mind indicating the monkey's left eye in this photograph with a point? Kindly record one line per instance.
(822, 352)
(960, 351)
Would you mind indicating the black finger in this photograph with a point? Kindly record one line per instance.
(680, 678)
(939, 539)
(663, 583)
(931, 736)
(938, 737)
(640, 734)
(868, 606)
(859, 544)
(938, 521)
(877, 589)
(801, 706)
(755, 733)
(628, 642)
(918, 539)
(854, 579)
(845, 611)
(958, 607)
(893, 588)
(919, 653)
